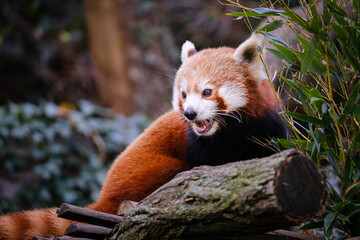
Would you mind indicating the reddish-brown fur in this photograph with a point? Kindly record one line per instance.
(157, 154)
(223, 68)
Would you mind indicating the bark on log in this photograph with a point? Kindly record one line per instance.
(228, 201)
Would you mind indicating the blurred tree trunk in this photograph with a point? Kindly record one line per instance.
(108, 46)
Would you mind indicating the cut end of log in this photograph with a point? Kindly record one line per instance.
(300, 188)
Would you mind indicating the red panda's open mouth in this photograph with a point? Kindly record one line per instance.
(203, 126)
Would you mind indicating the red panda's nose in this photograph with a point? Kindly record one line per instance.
(190, 113)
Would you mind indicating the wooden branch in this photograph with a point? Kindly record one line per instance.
(87, 231)
(232, 200)
(61, 238)
(84, 215)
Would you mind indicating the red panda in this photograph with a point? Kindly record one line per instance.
(221, 98)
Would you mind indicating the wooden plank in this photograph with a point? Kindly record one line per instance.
(294, 235)
(71, 238)
(60, 238)
(87, 231)
(84, 215)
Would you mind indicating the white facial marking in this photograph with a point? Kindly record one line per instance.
(233, 95)
(183, 86)
(204, 84)
(175, 99)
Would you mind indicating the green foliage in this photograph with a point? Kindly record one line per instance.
(44, 49)
(55, 153)
(325, 125)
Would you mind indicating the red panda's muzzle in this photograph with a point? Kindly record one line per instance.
(203, 126)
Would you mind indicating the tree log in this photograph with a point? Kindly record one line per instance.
(228, 201)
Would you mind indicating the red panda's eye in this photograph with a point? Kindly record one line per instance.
(183, 95)
(207, 92)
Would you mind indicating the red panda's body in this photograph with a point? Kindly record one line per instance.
(221, 99)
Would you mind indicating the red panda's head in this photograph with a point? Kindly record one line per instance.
(214, 83)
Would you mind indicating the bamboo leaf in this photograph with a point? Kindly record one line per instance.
(309, 56)
(315, 22)
(257, 12)
(326, 16)
(352, 189)
(335, 9)
(339, 30)
(271, 26)
(296, 18)
(328, 220)
(305, 118)
(283, 53)
(312, 225)
(274, 38)
(350, 104)
(267, 11)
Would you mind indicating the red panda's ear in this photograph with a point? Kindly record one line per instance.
(187, 50)
(247, 53)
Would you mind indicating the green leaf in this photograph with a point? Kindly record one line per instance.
(257, 12)
(274, 38)
(350, 55)
(309, 56)
(328, 220)
(297, 18)
(352, 189)
(271, 26)
(346, 179)
(312, 225)
(326, 16)
(315, 22)
(285, 143)
(267, 11)
(339, 30)
(316, 98)
(349, 106)
(283, 53)
(296, 87)
(305, 118)
(342, 217)
(356, 109)
(335, 9)
(350, 208)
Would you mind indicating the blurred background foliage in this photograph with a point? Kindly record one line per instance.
(52, 154)
(46, 53)
(55, 147)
